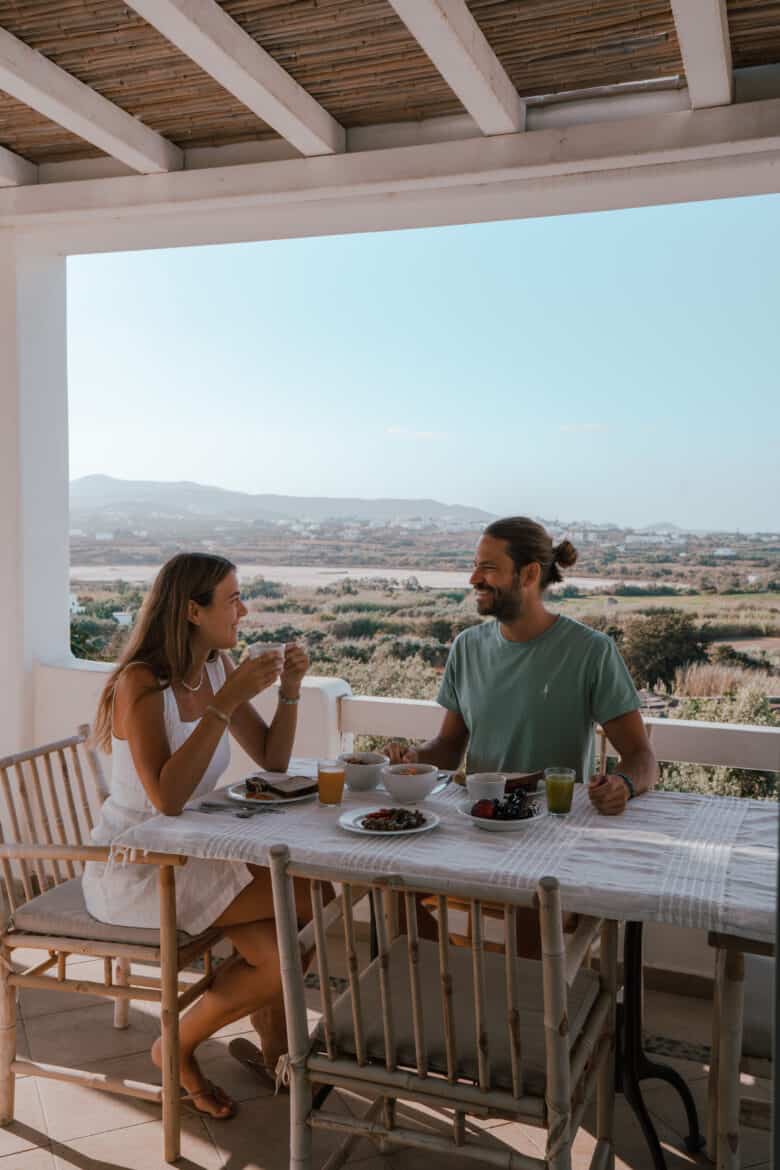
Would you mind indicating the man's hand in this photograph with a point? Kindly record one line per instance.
(608, 794)
(398, 753)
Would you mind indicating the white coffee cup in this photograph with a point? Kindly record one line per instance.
(258, 648)
(485, 785)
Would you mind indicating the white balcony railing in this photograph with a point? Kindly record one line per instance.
(734, 745)
(66, 695)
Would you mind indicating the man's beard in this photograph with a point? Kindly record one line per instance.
(501, 604)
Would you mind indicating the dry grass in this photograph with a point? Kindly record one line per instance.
(708, 679)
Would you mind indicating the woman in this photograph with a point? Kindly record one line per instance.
(164, 715)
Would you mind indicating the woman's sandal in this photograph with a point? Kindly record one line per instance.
(248, 1054)
(219, 1095)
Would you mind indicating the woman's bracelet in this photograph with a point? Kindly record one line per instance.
(288, 702)
(211, 710)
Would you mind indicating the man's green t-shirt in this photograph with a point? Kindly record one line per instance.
(531, 705)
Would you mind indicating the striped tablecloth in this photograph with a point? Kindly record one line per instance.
(683, 859)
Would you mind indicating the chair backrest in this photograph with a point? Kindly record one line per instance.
(426, 997)
(48, 795)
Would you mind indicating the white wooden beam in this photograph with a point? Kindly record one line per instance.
(16, 171)
(39, 83)
(386, 135)
(672, 158)
(731, 132)
(703, 33)
(211, 38)
(455, 43)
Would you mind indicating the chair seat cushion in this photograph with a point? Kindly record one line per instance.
(582, 996)
(61, 911)
(757, 1022)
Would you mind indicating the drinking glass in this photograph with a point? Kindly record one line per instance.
(330, 781)
(258, 648)
(559, 785)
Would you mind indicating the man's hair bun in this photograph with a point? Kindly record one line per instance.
(565, 554)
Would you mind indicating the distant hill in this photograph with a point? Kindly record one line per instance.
(140, 501)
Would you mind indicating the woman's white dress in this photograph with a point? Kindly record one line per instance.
(127, 895)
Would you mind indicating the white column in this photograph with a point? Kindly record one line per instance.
(34, 550)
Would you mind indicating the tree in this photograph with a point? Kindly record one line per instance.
(262, 588)
(656, 645)
(440, 629)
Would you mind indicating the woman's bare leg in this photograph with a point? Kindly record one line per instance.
(250, 987)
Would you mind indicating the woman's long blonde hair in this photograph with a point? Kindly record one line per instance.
(161, 637)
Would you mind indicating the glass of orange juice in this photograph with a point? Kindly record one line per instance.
(330, 781)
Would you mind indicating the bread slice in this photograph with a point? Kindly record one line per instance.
(272, 784)
(527, 780)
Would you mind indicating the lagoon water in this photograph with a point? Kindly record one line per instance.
(314, 576)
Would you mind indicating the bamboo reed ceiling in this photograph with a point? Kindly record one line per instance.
(550, 46)
(754, 26)
(356, 57)
(111, 49)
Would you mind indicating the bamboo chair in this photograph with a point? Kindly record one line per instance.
(746, 1046)
(468, 1033)
(48, 800)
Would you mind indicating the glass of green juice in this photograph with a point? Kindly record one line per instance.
(559, 785)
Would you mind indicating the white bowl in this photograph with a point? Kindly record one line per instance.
(365, 775)
(410, 782)
(486, 785)
(491, 826)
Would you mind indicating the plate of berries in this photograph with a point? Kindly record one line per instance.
(516, 810)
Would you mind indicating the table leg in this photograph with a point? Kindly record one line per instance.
(635, 1065)
(712, 1079)
(729, 1056)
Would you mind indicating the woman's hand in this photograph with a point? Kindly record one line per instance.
(249, 679)
(296, 663)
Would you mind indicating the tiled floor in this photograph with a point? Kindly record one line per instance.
(61, 1126)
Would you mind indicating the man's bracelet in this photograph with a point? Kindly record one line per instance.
(629, 783)
(288, 702)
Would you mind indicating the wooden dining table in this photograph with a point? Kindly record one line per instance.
(682, 859)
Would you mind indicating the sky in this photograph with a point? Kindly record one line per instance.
(620, 366)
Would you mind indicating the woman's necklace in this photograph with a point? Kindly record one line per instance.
(192, 690)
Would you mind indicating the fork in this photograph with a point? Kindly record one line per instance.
(242, 813)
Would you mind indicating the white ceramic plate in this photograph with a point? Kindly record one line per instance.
(238, 792)
(351, 821)
(502, 826)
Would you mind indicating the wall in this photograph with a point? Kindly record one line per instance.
(66, 695)
(33, 477)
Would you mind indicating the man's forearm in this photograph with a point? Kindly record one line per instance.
(641, 767)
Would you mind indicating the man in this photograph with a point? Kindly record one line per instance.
(524, 692)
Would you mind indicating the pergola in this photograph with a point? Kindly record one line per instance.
(157, 123)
